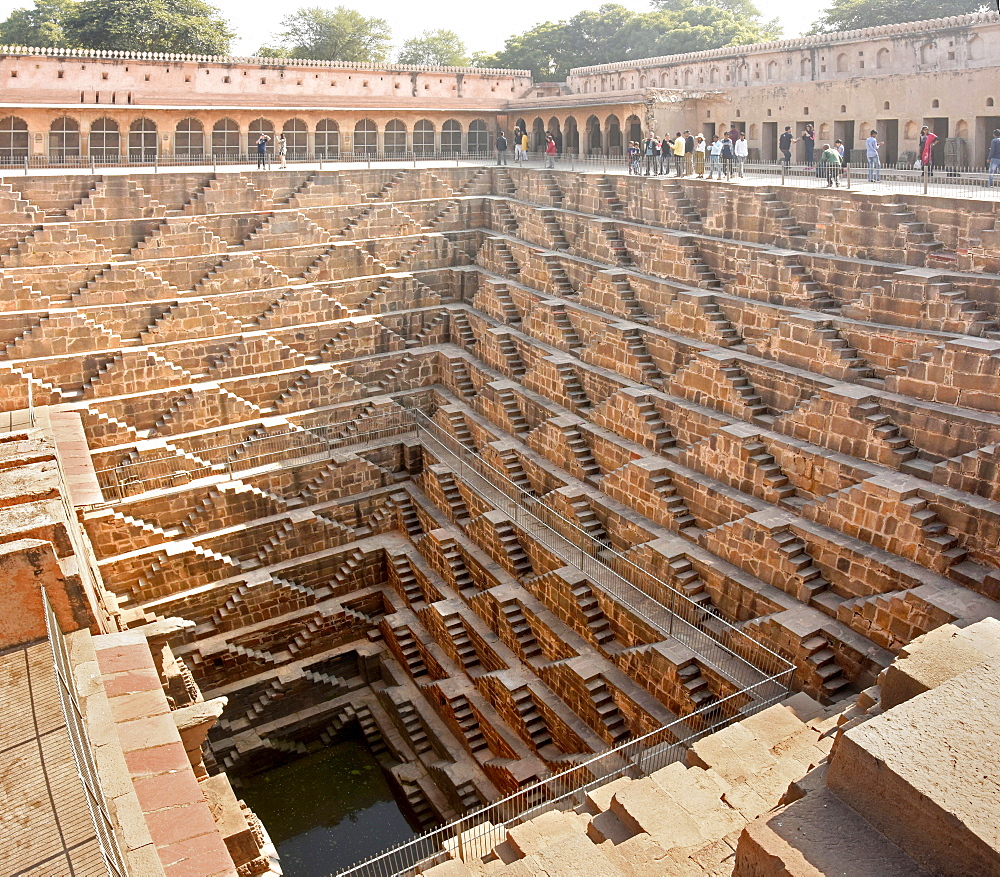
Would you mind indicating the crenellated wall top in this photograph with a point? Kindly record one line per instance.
(254, 61)
(799, 43)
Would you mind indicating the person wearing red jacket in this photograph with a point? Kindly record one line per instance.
(550, 151)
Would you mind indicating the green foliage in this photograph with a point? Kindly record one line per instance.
(615, 33)
(42, 25)
(126, 25)
(853, 14)
(442, 47)
(339, 34)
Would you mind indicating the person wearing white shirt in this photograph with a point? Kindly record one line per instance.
(741, 150)
(874, 162)
(715, 157)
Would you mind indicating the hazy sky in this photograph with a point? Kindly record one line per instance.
(482, 27)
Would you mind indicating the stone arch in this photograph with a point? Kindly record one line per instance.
(479, 137)
(911, 130)
(451, 137)
(962, 129)
(259, 126)
(843, 63)
(642, 82)
(975, 48)
(805, 66)
(394, 137)
(633, 125)
(713, 75)
(555, 129)
(296, 134)
(326, 142)
(189, 137)
(226, 137)
(687, 76)
(423, 137)
(571, 136)
(594, 135)
(752, 133)
(537, 141)
(14, 139)
(104, 143)
(882, 59)
(142, 140)
(773, 71)
(365, 137)
(612, 125)
(927, 53)
(586, 86)
(824, 131)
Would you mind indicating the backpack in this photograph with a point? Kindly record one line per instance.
(727, 150)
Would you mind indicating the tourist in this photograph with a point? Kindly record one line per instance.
(666, 150)
(262, 142)
(678, 151)
(741, 149)
(518, 151)
(785, 142)
(727, 155)
(550, 151)
(688, 153)
(927, 140)
(715, 157)
(839, 146)
(994, 157)
(501, 149)
(874, 162)
(633, 158)
(830, 159)
(281, 147)
(809, 142)
(699, 156)
(524, 145)
(650, 148)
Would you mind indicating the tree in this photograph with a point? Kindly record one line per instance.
(340, 34)
(42, 25)
(441, 47)
(853, 14)
(614, 33)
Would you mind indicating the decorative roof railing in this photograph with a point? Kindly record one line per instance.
(846, 36)
(253, 60)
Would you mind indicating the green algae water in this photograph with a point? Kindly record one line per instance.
(328, 810)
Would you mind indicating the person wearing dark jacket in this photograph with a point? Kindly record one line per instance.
(689, 153)
(501, 149)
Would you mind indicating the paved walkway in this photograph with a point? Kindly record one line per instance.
(967, 184)
(45, 826)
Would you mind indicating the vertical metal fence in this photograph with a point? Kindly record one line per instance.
(83, 756)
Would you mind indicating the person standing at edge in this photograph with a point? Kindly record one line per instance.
(809, 141)
(727, 156)
(666, 149)
(649, 149)
(874, 162)
(550, 152)
(993, 159)
(785, 142)
(516, 136)
(501, 149)
(524, 146)
(699, 156)
(688, 153)
(741, 150)
(715, 157)
(281, 147)
(927, 140)
(679, 155)
(262, 142)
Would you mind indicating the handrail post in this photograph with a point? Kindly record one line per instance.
(926, 176)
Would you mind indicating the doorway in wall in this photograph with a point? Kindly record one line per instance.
(985, 126)
(769, 142)
(888, 136)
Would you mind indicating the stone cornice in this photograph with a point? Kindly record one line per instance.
(890, 30)
(253, 61)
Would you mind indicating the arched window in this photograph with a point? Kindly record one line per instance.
(13, 139)
(586, 86)
(479, 137)
(423, 138)
(975, 47)
(926, 53)
(105, 141)
(713, 75)
(365, 137)
(142, 145)
(805, 67)
(226, 137)
(327, 139)
(842, 63)
(189, 138)
(882, 59)
(910, 130)
(258, 127)
(394, 138)
(451, 137)
(64, 138)
(772, 70)
(642, 82)
(296, 138)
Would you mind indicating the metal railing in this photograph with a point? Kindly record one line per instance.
(83, 755)
(204, 458)
(474, 835)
